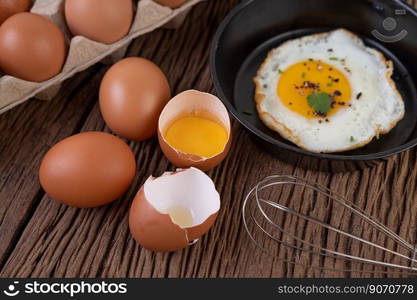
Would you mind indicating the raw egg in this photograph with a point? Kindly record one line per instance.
(171, 3)
(132, 95)
(172, 211)
(194, 130)
(32, 48)
(103, 21)
(89, 169)
(9, 8)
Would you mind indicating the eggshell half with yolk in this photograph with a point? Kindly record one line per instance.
(193, 103)
(152, 220)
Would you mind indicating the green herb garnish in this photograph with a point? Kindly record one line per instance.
(352, 139)
(303, 75)
(329, 84)
(280, 71)
(320, 102)
(333, 58)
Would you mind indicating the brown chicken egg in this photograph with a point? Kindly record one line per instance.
(194, 130)
(32, 48)
(171, 3)
(132, 95)
(89, 169)
(103, 21)
(9, 8)
(172, 211)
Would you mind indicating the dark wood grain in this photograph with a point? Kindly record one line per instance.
(41, 238)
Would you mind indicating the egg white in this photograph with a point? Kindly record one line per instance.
(377, 111)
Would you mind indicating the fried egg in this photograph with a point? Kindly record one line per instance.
(328, 92)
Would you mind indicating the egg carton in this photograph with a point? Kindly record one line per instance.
(83, 52)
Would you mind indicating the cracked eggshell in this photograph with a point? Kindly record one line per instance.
(153, 227)
(188, 103)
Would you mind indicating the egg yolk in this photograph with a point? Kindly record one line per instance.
(313, 77)
(198, 136)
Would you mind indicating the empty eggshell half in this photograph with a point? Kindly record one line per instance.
(193, 103)
(172, 211)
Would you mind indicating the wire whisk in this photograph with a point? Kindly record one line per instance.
(321, 228)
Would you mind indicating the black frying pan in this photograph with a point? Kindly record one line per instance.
(256, 26)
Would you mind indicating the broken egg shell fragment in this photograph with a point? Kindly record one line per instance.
(154, 229)
(189, 103)
(196, 232)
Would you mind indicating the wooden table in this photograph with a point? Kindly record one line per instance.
(39, 237)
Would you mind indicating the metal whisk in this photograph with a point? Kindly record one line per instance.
(337, 230)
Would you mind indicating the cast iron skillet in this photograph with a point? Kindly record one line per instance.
(256, 26)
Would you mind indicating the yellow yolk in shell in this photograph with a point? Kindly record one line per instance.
(308, 77)
(198, 136)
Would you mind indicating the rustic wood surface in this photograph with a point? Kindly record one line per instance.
(41, 238)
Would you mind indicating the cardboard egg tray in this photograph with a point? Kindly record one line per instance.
(82, 52)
